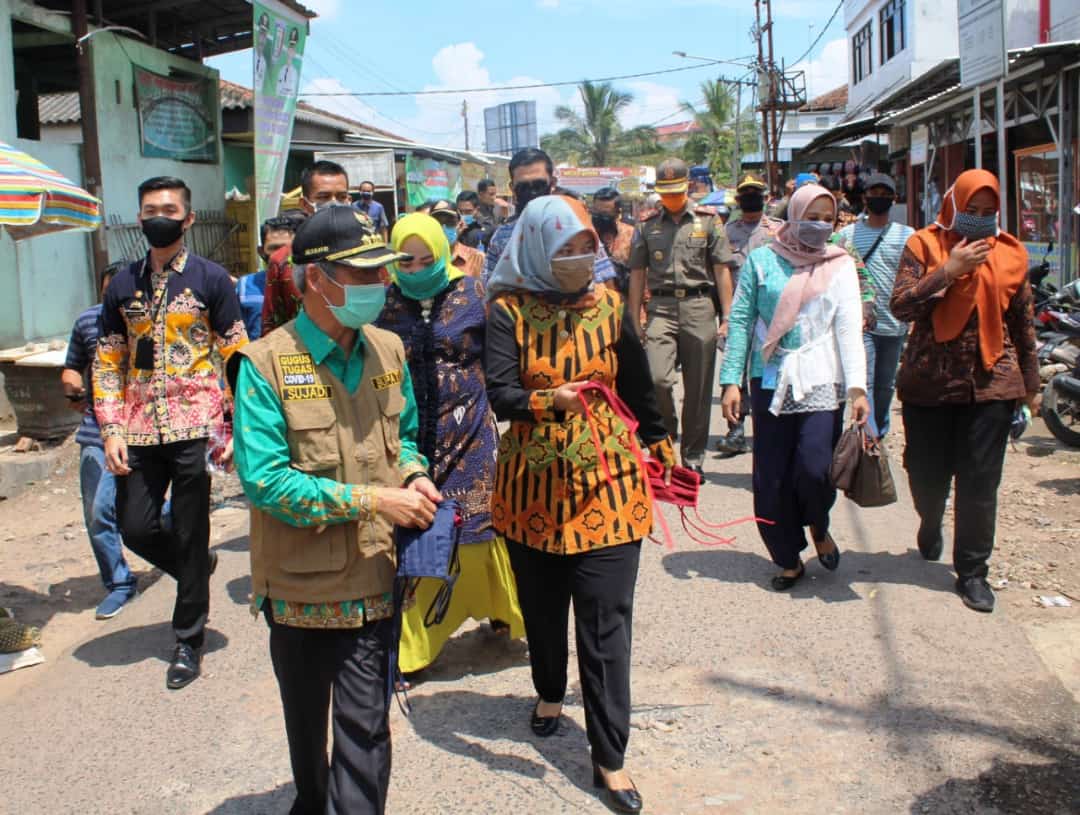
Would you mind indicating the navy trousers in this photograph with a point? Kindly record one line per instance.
(792, 456)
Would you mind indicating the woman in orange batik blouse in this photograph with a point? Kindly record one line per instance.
(573, 526)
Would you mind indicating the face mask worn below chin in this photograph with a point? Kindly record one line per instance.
(362, 305)
(878, 205)
(573, 273)
(333, 202)
(813, 233)
(162, 231)
(424, 283)
(674, 203)
(975, 227)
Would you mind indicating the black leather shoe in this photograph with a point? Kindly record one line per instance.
(783, 582)
(184, 668)
(697, 468)
(976, 593)
(544, 726)
(931, 544)
(619, 800)
(830, 560)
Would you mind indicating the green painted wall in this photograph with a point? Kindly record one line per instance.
(239, 166)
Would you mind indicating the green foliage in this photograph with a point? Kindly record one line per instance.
(596, 138)
(714, 143)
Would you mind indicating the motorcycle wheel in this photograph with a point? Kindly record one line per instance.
(1063, 427)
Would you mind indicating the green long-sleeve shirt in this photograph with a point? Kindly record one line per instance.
(262, 448)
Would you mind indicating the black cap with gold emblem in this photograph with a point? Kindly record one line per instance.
(342, 235)
(672, 177)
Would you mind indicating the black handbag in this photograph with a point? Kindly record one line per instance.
(431, 553)
(860, 469)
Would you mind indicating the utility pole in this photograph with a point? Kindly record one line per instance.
(465, 116)
(763, 91)
(736, 163)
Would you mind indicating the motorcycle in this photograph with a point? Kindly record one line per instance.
(1061, 395)
(1042, 290)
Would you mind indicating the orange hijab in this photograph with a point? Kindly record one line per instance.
(987, 290)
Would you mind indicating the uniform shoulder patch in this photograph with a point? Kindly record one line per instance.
(704, 210)
(386, 380)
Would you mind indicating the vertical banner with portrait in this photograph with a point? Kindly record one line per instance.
(278, 52)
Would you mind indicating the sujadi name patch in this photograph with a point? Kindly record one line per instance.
(386, 380)
(298, 378)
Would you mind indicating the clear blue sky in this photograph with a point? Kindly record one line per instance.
(409, 45)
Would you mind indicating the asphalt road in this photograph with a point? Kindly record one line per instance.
(871, 690)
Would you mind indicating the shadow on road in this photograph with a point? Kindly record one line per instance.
(475, 653)
(258, 803)
(1062, 486)
(734, 566)
(131, 645)
(1010, 786)
(70, 596)
(237, 544)
(239, 589)
(736, 481)
(454, 720)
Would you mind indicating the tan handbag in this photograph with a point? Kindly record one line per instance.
(846, 458)
(861, 469)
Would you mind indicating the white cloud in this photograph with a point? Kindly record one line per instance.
(350, 107)
(326, 9)
(652, 102)
(828, 71)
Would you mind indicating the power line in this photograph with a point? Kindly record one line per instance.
(813, 45)
(526, 87)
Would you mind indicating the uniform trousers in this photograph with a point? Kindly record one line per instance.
(182, 551)
(792, 457)
(600, 583)
(966, 443)
(352, 666)
(683, 332)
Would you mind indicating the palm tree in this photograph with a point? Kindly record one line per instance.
(715, 141)
(596, 138)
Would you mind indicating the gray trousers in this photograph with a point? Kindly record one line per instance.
(684, 332)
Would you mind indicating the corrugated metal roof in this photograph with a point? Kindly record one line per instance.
(63, 108)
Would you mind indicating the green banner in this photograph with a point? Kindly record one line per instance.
(426, 178)
(177, 117)
(278, 53)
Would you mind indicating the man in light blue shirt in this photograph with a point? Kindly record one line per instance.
(880, 243)
(372, 208)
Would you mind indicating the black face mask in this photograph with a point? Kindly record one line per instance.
(603, 223)
(526, 191)
(878, 204)
(752, 202)
(162, 231)
(366, 196)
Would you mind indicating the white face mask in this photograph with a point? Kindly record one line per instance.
(333, 202)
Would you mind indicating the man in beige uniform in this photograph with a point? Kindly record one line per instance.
(681, 254)
(326, 451)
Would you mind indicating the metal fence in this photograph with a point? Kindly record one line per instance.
(214, 235)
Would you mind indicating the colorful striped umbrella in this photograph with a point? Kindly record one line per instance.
(35, 200)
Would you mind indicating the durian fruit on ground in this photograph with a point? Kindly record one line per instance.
(16, 637)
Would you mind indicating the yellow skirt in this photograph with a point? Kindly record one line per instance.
(485, 589)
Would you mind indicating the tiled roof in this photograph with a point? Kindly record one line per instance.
(836, 99)
(63, 108)
(678, 129)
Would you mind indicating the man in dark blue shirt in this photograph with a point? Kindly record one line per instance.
(97, 484)
(372, 208)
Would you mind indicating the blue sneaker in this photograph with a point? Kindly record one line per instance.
(113, 604)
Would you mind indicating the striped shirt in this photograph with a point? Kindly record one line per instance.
(881, 267)
(80, 354)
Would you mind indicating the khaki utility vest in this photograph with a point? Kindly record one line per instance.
(349, 438)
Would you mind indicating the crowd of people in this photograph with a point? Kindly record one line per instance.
(364, 371)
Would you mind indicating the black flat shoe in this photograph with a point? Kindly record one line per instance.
(783, 582)
(931, 544)
(544, 726)
(976, 593)
(184, 668)
(830, 560)
(619, 800)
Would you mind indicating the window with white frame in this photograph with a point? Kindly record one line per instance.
(893, 34)
(862, 54)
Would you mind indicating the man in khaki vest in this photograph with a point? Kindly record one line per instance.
(325, 431)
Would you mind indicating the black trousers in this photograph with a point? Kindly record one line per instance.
(352, 665)
(966, 443)
(184, 552)
(600, 583)
(792, 456)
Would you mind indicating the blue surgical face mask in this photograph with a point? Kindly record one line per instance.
(975, 227)
(362, 305)
(451, 234)
(468, 219)
(814, 234)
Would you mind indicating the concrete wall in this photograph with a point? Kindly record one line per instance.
(931, 35)
(123, 165)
